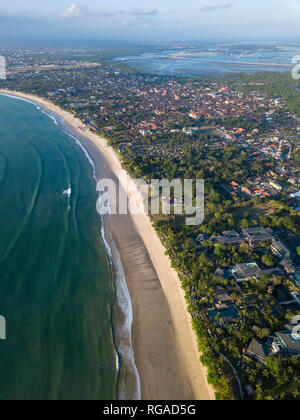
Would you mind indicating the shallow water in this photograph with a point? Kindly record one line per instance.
(216, 59)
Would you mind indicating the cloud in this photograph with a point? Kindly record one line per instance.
(144, 12)
(131, 18)
(75, 12)
(216, 7)
(105, 13)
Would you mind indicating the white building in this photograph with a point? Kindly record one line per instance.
(295, 195)
(275, 185)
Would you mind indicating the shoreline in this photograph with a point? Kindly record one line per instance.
(165, 346)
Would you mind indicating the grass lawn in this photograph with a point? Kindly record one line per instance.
(254, 212)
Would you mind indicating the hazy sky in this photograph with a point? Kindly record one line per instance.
(149, 19)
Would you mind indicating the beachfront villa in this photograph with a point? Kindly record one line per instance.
(248, 271)
(258, 350)
(285, 342)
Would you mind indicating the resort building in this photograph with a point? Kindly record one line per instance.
(286, 343)
(295, 194)
(257, 235)
(283, 343)
(288, 265)
(258, 350)
(249, 271)
(297, 276)
(275, 185)
(223, 298)
(246, 272)
(229, 238)
(281, 250)
(285, 254)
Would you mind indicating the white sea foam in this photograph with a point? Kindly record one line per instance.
(125, 351)
(78, 142)
(50, 116)
(42, 110)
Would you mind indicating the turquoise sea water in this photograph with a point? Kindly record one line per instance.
(56, 291)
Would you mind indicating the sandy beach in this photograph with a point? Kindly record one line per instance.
(164, 343)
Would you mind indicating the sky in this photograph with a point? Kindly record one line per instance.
(149, 20)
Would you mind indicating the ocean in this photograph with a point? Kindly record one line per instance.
(56, 288)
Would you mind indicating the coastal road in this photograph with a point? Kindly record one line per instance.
(235, 374)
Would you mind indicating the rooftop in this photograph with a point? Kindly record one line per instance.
(247, 269)
(258, 234)
(258, 349)
(244, 271)
(288, 342)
